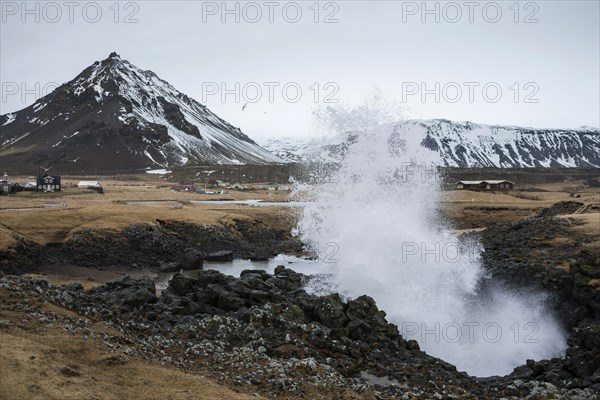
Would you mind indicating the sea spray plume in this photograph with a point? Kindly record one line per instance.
(339, 118)
(380, 208)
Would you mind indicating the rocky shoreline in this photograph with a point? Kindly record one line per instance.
(575, 297)
(265, 334)
(166, 246)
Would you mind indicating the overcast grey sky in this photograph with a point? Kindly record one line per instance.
(530, 63)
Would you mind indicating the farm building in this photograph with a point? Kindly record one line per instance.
(184, 187)
(88, 184)
(48, 183)
(499, 185)
(485, 185)
(469, 185)
(94, 185)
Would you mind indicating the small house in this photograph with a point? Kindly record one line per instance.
(48, 183)
(6, 188)
(485, 185)
(499, 185)
(469, 185)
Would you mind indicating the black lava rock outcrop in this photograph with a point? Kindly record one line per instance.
(526, 255)
(267, 333)
(167, 246)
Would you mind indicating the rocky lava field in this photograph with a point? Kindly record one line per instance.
(266, 335)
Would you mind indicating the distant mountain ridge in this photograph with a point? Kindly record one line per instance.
(467, 144)
(114, 112)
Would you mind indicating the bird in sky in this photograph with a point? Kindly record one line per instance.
(244, 106)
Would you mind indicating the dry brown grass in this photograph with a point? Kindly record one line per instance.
(472, 209)
(511, 199)
(55, 225)
(85, 209)
(589, 225)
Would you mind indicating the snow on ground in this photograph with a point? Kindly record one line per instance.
(158, 171)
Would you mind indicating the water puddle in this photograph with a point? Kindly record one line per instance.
(235, 268)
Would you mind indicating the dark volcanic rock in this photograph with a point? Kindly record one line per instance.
(575, 297)
(222, 255)
(297, 324)
(330, 311)
(192, 259)
(180, 285)
(167, 246)
(128, 290)
(266, 332)
(563, 207)
(269, 323)
(25, 256)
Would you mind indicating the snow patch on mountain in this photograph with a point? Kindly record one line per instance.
(10, 118)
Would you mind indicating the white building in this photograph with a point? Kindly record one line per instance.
(89, 184)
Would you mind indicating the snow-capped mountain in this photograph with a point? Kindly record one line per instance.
(303, 149)
(115, 113)
(466, 144)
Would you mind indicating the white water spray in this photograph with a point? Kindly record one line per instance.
(380, 211)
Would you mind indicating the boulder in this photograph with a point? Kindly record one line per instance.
(192, 259)
(226, 300)
(261, 254)
(362, 307)
(330, 311)
(138, 297)
(171, 266)
(181, 284)
(206, 277)
(222, 255)
(133, 291)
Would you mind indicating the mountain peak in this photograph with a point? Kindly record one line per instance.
(130, 114)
